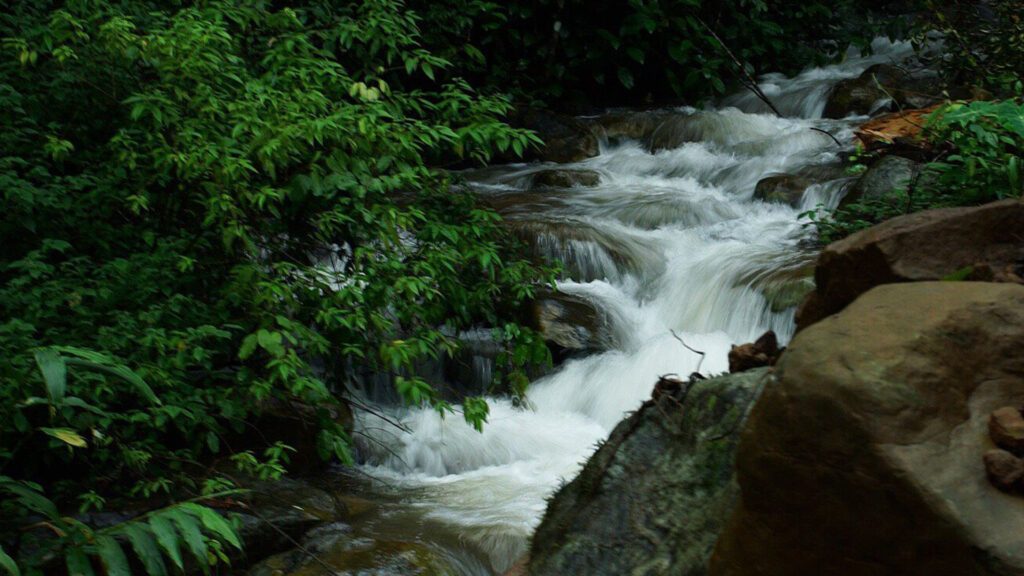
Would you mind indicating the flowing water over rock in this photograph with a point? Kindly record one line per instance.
(669, 240)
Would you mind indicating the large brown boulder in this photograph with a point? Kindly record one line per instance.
(865, 455)
(929, 245)
(654, 497)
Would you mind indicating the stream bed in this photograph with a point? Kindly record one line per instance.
(668, 241)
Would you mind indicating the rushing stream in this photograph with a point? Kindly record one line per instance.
(670, 240)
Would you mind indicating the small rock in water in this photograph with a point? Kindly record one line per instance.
(1006, 427)
(1004, 470)
(764, 352)
(566, 178)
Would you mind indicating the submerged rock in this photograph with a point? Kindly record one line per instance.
(880, 83)
(566, 178)
(628, 125)
(566, 139)
(652, 499)
(864, 455)
(929, 245)
(782, 189)
(571, 322)
(333, 550)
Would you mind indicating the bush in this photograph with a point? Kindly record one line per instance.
(981, 148)
(237, 201)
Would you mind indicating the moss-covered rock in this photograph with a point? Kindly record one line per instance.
(654, 497)
(333, 550)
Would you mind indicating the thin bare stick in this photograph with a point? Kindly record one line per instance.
(687, 346)
(750, 83)
(829, 134)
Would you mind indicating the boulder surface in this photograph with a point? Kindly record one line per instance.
(929, 245)
(865, 455)
(654, 497)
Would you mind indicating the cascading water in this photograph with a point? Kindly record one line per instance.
(668, 241)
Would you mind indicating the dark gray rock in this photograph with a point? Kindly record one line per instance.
(868, 92)
(566, 178)
(782, 189)
(891, 176)
(654, 497)
(333, 550)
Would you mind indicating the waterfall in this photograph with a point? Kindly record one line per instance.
(669, 240)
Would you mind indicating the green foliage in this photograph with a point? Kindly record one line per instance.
(243, 203)
(154, 537)
(987, 162)
(615, 52)
(984, 42)
(982, 146)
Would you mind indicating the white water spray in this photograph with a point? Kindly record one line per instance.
(668, 241)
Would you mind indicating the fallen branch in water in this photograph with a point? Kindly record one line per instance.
(748, 81)
(696, 375)
(829, 134)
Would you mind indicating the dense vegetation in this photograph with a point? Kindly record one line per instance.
(975, 149)
(213, 207)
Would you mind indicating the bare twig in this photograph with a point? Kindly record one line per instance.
(687, 346)
(748, 81)
(829, 134)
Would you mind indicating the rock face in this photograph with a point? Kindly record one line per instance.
(566, 178)
(887, 177)
(566, 139)
(338, 553)
(653, 498)
(864, 456)
(867, 93)
(764, 352)
(929, 245)
(782, 189)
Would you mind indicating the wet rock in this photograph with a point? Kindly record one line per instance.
(295, 423)
(570, 322)
(280, 510)
(868, 92)
(628, 125)
(653, 497)
(782, 189)
(333, 550)
(763, 352)
(520, 568)
(864, 453)
(565, 139)
(1006, 427)
(1004, 470)
(928, 245)
(889, 177)
(566, 178)
(783, 288)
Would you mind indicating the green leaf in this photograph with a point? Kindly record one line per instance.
(67, 436)
(95, 361)
(55, 374)
(215, 523)
(78, 563)
(271, 342)
(167, 538)
(626, 77)
(190, 531)
(145, 548)
(114, 560)
(8, 564)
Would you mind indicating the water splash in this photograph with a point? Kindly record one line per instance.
(668, 241)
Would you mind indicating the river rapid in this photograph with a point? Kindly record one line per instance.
(672, 240)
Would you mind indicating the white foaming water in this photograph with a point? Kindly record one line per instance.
(669, 241)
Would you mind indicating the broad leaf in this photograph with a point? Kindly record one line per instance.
(55, 374)
(114, 560)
